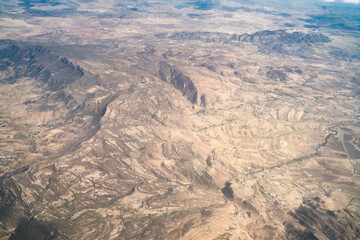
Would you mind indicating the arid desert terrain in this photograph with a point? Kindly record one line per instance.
(179, 119)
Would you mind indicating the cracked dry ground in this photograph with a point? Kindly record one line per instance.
(174, 147)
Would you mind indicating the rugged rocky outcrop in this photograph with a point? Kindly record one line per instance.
(276, 75)
(279, 41)
(180, 81)
(22, 60)
(281, 36)
(283, 42)
(313, 219)
(12, 207)
(263, 37)
(199, 36)
(30, 229)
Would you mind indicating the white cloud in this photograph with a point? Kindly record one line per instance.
(344, 1)
(352, 1)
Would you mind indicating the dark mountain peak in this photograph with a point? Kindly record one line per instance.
(180, 81)
(282, 36)
(266, 36)
(20, 60)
